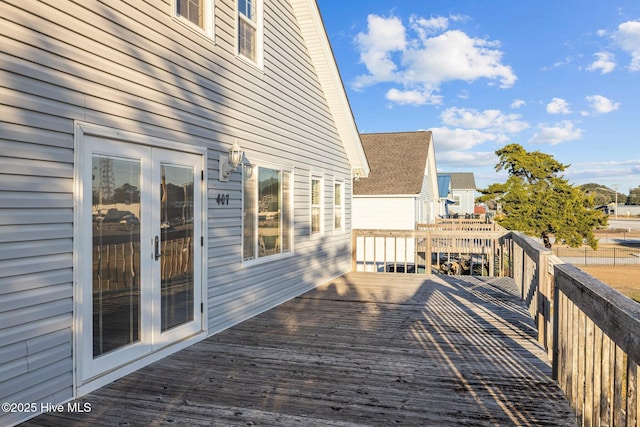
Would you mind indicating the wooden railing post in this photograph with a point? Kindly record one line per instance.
(354, 261)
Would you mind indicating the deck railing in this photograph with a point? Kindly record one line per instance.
(461, 225)
(426, 251)
(590, 331)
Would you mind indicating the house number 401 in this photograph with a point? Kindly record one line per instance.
(222, 199)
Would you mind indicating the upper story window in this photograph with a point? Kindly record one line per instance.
(196, 13)
(250, 30)
(316, 205)
(268, 212)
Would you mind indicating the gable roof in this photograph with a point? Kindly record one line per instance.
(462, 181)
(317, 42)
(397, 160)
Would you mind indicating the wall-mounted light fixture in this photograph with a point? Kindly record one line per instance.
(231, 161)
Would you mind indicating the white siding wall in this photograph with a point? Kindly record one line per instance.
(467, 202)
(386, 213)
(137, 69)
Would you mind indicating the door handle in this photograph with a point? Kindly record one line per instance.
(156, 245)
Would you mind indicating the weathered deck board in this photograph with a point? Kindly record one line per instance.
(365, 349)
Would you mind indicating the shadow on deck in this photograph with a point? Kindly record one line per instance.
(364, 349)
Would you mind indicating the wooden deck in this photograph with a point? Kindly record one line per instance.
(365, 349)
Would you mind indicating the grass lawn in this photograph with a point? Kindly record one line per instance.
(625, 279)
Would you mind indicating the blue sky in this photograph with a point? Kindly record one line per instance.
(557, 76)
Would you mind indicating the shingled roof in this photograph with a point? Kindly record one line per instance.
(397, 161)
(462, 181)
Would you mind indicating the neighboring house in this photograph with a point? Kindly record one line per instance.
(444, 195)
(124, 234)
(402, 187)
(462, 193)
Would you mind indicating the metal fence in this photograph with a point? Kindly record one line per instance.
(602, 256)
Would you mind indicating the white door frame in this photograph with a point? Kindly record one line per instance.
(89, 376)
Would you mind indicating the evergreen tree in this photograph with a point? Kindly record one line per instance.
(538, 201)
(634, 196)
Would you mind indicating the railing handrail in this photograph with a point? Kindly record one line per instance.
(461, 225)
(593, 297)
(453, 251)
(592, 333)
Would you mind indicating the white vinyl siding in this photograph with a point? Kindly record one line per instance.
(36, 276)
(384, 212)
(135, 68)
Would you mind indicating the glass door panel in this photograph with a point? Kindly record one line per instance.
(177, 225)
(177, 245)
(140, 253)
(116, 253)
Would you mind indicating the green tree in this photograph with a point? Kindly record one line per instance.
(634, 196)
(538, 201)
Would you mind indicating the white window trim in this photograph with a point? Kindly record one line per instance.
(340, 230)
(209, 19)
(265, 259)
(320, 177)
(259, 27)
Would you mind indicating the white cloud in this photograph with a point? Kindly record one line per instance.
(611, 172)
(604, 62)
(454, 55)
(558, 106)
(385, 36)
(492, 120)
(627, 38)
(413, 97)
(557, 133)
(453, 159)
(601, 104)
(460, 140)
(425, 27)
(433, 56)
(517, 103)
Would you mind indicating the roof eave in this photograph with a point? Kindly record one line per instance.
(315, 36)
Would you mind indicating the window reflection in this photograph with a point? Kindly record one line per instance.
(337, 206)
(316, 208)
(116, 253)
(250, 213)
(268, 211)
(177, 240)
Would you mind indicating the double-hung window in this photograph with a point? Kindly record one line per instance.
(268, 212)
(250, 30)
(316, 205)
(196, 13)
(338, 206)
